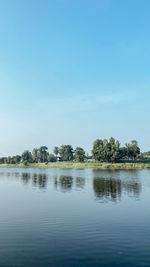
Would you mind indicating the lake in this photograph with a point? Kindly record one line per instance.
(66, 217)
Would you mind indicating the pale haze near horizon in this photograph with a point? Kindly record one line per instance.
(72, 72)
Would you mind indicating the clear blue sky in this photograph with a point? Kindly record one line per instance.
(72, 71)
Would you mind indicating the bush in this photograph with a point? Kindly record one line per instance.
(25, 163)
(52, 158)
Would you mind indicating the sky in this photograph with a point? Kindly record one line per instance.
(72, 71)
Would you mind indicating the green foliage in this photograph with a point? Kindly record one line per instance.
(98, 150)
(25, 163)
(43, 154)
(27, 156)
(103, 150)
(132, 150)
(3, 160)
(123, 153)
(106, 151)
(13, 160)
(40, 154)
(51, 158)
(79, 154)
(35, 155)
(66, 153)
(17, 159)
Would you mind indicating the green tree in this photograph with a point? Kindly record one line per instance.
(3, 160)
(43, 154)
(114, 154)
(66, 153)
(35, 155)
(79, 154)
(133, 150)
(51, 158)
(14, 160)
(17, 159)
(8, 160)
(106, 150)
(123, 153)
(27, 156)
(98, 150)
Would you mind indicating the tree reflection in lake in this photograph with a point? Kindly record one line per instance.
(40, 180)
(66, 182)
(26, 177)
(37, 179)
(107, 189)
(89, 217)
(132, 188)
(107, 185)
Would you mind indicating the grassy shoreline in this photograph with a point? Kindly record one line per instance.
(84, 165)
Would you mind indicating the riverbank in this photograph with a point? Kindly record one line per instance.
(78, 165)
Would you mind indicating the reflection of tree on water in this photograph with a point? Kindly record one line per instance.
(65, 182)
(132, 188)
(39, 180)
(26, 177)
(111, 189)
(107, 188)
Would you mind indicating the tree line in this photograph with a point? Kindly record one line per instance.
(103, 151)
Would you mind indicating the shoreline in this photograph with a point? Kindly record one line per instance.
(84, 165)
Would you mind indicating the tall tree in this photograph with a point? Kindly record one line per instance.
(17, 159)
(106, 150)
(3, 160)
(66, 153)
(35, 155)
(27, 156)
(43, 154)
(123, 153)
(79, 154)
(98, 150)
(133, 149)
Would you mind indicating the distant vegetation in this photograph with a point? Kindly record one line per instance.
(104, 151)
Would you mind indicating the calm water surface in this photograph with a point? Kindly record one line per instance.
(88, 217)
